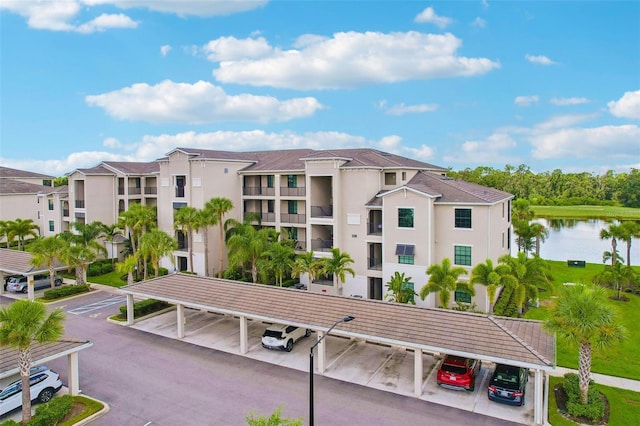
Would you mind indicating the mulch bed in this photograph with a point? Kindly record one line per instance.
(561, 402)
(76, 409)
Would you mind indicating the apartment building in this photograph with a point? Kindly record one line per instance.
(390, 213)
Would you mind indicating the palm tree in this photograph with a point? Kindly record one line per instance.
(531, 274)
(45, 251)
(279, 259)
(22, 323)
(5, 228)
(219, 207)
(138, 219)
(616, 276)
(492, 278)
(628, 231)
(582, 316)
(127, 267)
(110, 232)
(187, 219)
(205, 220)
(305, 264)
(81, 257)
(614, 232)
(337, 266)
(87, 233)
(443, 279)
(154, 246)
(22, 228)
(540, 234)
(246, 246)
(399, 289)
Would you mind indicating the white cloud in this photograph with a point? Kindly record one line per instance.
(105, 21)
(198, 103)
(539, 60)
(562, 121)
(492, 150)
(429, 16)
(60, 167)
(345, 60)
(165, 49)
(479, 22)
(186, 7)
(596, 142)
(402, 109)
(628, 106)
(523, 101)
(46, 15)
(485, 4)
(232, 49)
(568, 101)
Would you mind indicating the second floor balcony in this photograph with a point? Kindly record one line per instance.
(322, 211)
(318, 244)
(286, 191)
(375, 263)
(293, 218)
(258, 190)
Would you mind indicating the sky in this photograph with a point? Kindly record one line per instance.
(459, 84)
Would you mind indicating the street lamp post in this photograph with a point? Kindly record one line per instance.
(345, 319)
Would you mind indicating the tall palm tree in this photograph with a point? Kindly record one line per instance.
(279, 259)
(22, 228)
(188, 219)
(127, 267)
(5, 228)
(613, 232)
(399, 290)
(154, 246)
(246, 246)
(492, 278)
(219, 207)
(540, 234)
(81, 257)
(205, 220)
(443, 279)
(531, 273)
(628, 231)
(45, 251)
(337, 266)
(87, 233)
(305, 264)
(583, 317)
(22, 323)
(138, 219)
(110, 233)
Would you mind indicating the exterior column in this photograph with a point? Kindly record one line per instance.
(72, 371)
(243, 335)
(1, 282)
(181, 320)
(417, 372)
(545, 405)
(30, 287)
(321, 353)
(537, 405)
(130, 309)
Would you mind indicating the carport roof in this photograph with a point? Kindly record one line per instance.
(19, 262)
(497, 339)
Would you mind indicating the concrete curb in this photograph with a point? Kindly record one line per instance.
(87, 420)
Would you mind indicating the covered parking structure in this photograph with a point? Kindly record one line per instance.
(423, 330)
(16, 262)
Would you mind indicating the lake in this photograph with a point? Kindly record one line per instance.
(573, 239)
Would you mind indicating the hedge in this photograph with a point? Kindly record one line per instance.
(52, 412)
(593, 410)
(65, 291)
(144, 307)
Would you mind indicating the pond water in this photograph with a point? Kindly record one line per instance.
(572, 239)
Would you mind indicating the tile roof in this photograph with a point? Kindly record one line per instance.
(19, 262)
(368, 157)
(9, 173)
(134, 168)
(437, 330)
(40, 353)
(454, 190)
(10, 186)
(97, 170)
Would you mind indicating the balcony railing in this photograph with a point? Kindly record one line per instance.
(323, 281)
(120, 191)
(65, 212)
(375, 263)
(134, 190)
(264, 217)
(293, 192)
(151, 190)
(321, 211)
(79, 204)
(258, 190)
(375, 228)
(293, 218)
(319, 244)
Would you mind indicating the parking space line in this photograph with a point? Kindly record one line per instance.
(85, 309)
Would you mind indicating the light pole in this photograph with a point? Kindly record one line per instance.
(345, 319)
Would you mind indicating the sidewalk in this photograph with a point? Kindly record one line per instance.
(616, 382)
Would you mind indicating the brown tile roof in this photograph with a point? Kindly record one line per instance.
(97, 170)
(134, 168)
(368, 157)
(10, 186)
(19, 262)
(454, 190)
(9, 173)
(40, 353)
(436, 330)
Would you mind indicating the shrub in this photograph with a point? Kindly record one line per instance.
(106, 268)
(52, 412)
(10, 422)
(503, 300)
(593, 410)
(65, 291)
(144, 307)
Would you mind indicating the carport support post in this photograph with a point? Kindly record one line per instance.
(243, 335)
(72, 368)
(417, 372)
(30, 287)
(130, 313)
(537, 409)
(321, 352)
(181, 320)
(1, 282)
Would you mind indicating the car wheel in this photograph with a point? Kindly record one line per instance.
(307, 333)
(473, 385)
(45, 395)
(289, 345)
(25, 289)
(58, 283)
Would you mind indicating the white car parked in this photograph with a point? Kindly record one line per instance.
(278, 336)
(44, 384)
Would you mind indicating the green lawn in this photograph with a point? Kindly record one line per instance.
(622, 360)
(112, 279)
(587, 212)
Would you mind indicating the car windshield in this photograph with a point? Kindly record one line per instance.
(273, 333)
(506, 379)
(453, 369)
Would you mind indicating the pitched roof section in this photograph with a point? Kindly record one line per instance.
(97, 170)
(133, 168)
(19, 262)
(454, 190)
(368, 157)
(16, 187)
(9, 173)
(521, 342)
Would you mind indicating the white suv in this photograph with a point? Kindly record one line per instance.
(44, 384)
(278, 336)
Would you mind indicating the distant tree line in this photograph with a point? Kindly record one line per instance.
(558, 188)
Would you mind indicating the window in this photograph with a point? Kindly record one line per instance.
(462, 296)
(293, 233)
(390, 178)
(269, 181)
(509, 210)
(404, 176)
(405, 218)
(462, 255)
(405, 253)
(463, 218)
(180, 182)
(51, 226)
(293, 207)
(292, 181)
(270, 206)
(405, 259)
(50, 204)
(509, 239)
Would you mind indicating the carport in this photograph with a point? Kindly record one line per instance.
(495, 339)
(16, 262)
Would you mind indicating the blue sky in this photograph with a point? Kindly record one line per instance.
(457, 84)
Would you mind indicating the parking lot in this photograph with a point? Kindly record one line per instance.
(367, 364)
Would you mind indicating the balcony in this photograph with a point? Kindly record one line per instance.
(179, 191)
(264, 217)
(301, 245)
(375, 228)
(375, 263)
(258, 190)
(322, 211)
(293, 218)
(151, 190)
(65, 212)
(319, 244)
(120, 191)
(285, 191)
(79, 204)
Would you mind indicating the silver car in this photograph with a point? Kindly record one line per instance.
(19, 284)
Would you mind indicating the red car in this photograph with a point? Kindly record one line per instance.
(457, 372)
